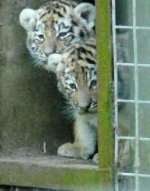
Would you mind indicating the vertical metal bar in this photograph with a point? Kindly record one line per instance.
(115, 77)
(136, 98)
(115, 89)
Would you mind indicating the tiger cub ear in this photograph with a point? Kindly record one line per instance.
(87, 12)
(28, 18)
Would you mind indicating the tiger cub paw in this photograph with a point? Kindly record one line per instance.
(72, 151)
(68, 150)
(96, 158)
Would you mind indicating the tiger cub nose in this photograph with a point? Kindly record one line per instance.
(84, 108)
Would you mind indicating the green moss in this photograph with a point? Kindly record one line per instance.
(31, 174)
(104, 58)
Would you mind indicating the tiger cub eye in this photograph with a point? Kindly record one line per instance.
(73, 86)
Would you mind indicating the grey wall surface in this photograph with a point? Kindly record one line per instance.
(30, 105)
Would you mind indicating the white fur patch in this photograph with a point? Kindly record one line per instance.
(86, 131)
(53, 61)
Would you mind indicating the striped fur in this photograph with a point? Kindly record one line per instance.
(77, 80)
(78, 73)
(39, 25)
(43, 26)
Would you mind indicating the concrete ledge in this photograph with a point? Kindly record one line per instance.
(49, 172)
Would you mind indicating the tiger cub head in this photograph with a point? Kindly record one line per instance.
(77, 79)
(77, 26)
(39, 25)
(47, 30)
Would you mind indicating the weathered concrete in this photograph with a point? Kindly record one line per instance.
(30, 105)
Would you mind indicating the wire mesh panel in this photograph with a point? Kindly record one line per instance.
(131, 18)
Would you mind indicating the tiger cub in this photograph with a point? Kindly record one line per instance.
(77, 80)
(76, 72)
(42, 26)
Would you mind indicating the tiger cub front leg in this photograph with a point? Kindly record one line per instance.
(85, 141)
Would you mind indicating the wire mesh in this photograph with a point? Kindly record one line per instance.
(138, 139)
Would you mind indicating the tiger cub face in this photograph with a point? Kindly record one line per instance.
(39, 25)
(45, 29)
(40, 42)
(80, 87)
(77, 78)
